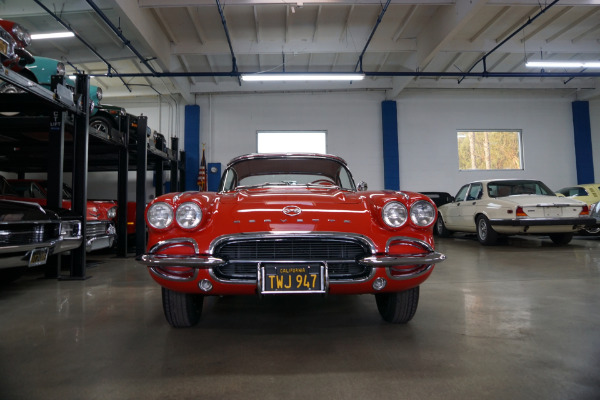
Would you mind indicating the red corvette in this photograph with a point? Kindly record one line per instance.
(290, 224)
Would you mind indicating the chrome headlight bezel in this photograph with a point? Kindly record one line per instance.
(60, 68)
(112, 212)
(160, 215)
(188, 215)
(394, 214)
(99, 93)
(21, 34)
(422, 213)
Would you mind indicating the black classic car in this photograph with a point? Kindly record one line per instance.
(30, 233)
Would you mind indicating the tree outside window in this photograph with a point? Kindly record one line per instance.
(489, 150)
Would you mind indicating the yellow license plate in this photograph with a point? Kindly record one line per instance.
(38, 257)
(293, 278)
(4, 47)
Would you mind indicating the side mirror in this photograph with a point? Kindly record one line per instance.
(362, 186)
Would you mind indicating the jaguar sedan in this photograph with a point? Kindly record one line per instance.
(289, 224)
(493, 208)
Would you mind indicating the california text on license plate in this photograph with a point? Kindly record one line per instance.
(293, 278)
(38, 257)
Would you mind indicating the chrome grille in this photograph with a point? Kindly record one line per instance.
(96, 228)
(23, 234)
(339, 253)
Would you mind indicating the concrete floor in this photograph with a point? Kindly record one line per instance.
(516, 321)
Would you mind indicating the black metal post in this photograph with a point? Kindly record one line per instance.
(56, 153)
(122, 177)
(80, 171)
(140, 184)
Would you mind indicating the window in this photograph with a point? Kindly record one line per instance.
(462, 193)
(489, 150)
(291, 142)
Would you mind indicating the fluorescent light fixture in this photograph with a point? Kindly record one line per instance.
(301, 77)
(54, 35)
(563, 64)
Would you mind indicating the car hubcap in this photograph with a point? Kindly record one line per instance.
(482, 229)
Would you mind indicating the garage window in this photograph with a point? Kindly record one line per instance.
(489, 150)
(291, 142)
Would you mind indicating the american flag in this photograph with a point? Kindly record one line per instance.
(202, 175)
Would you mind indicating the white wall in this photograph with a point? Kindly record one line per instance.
(428, 122)
(352, 121)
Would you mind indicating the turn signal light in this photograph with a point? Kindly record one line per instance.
(520, 212)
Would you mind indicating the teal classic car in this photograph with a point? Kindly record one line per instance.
(41, 72)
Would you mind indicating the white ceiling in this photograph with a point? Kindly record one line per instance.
(439, 37)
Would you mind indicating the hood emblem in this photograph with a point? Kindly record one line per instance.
(291, 211)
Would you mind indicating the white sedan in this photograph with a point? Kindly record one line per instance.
(492, 208)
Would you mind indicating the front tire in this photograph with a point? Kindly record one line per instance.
(485, 233)
(440, 228)
(399, 307)
(101, 124)
(182, 310)
(561, 239)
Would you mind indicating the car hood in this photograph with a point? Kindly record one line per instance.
(302, 204)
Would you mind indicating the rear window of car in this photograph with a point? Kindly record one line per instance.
(517, 187)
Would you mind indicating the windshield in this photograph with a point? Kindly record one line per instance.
(287, 171)
(516, 187)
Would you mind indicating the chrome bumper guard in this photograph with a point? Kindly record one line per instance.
(410, 259)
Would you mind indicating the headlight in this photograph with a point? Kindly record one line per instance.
(160, 215)
(422, 213)
(394, 214)
(189, 215)
(60, 68)
(70, 229)
(99, 93)
(112, 212)
(21, 34)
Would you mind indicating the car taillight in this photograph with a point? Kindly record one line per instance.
(585, 210)
(520, 212)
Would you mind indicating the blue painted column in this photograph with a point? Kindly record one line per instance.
(192, 146)
(584, 160)
(391, 158)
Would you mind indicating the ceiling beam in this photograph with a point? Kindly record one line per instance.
(250, 46)
(148, 31)
(443, 27)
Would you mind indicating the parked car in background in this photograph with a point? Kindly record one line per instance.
(29, 234)
(100, 225)
(106, 117)
(588, 193)
(12, 51)
(41, 72)
(439, 198)
(492, 208)
(286, 224)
